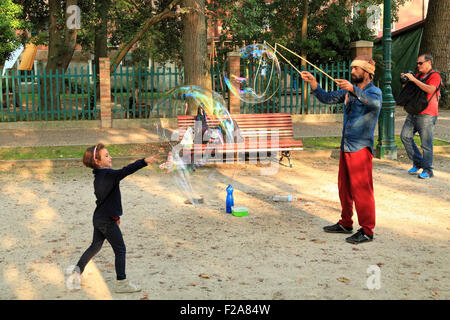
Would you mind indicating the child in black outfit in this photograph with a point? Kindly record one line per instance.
(107, 214)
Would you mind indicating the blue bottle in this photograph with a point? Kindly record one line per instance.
(230, 200)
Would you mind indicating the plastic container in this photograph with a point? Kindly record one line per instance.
(239, 211)
(286, 198)
(170, 164)
(230, 200)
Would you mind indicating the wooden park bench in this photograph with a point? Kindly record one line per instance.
(269, 132)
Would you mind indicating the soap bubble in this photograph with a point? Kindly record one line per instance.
(182, 99)
(258, 77)
(181, 138)
(180, 173)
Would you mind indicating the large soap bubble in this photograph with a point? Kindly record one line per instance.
(179, 100)
(258, 77)
(185, 137)
(181, 175)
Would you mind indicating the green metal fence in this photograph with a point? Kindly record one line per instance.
(29, 95)
(135, 93)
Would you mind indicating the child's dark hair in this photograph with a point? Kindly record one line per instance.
(88, 157)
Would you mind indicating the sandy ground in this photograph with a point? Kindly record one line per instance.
(177, 251)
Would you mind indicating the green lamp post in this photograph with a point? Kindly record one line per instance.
(386, 148)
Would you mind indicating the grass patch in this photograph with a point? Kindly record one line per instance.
(329, 143)
(76, 152)
(125, 150)
(321, 143)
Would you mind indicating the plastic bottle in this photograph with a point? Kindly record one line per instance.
(230, 200)
(170, 164)
(288, 198)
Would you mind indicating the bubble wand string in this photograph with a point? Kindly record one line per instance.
(257, 71)
(275, 50)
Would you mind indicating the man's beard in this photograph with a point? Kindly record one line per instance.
(357, 80)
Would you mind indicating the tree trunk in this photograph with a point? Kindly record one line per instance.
(61, 46)
(195, 52)
(101, 31)
(101, 37)
(435, 41)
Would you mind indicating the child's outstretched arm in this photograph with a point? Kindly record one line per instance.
(151, 159)
(132, 168)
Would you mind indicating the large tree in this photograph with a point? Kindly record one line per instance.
(62, 39)
(435, 40)
(195, 52)
(101, 30)
(48, 20)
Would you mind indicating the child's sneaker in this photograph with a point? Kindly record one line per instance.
(126, 286)
(73, 278)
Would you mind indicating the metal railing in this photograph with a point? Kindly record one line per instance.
(29, 95)
(136, 91)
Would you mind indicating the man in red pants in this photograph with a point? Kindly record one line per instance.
(362, 107)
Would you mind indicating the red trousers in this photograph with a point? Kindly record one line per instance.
(356, 186)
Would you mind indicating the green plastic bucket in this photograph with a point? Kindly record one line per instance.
(239, 211)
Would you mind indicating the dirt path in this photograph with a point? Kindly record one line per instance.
(177, 251)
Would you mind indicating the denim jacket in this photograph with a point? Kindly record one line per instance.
(361, 111)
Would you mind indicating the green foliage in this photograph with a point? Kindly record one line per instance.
(36, 15)
(161, 43)
(242, 22)
(330, 31)
(125, 17)
(9, 22)
(331, 25)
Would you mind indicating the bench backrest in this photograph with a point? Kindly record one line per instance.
(249, 124)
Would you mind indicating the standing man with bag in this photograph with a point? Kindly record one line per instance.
(423, 122)
(362, 107)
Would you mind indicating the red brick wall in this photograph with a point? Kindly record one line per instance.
(234, 68)
(105, 93)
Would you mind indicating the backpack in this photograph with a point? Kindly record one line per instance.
(201, 116)
(412, 98)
